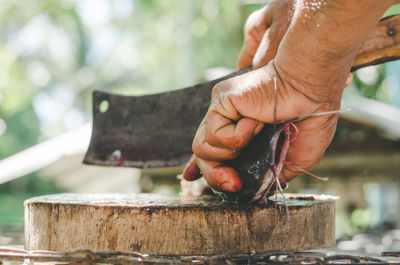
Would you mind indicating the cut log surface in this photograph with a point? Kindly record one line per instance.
(165, 225)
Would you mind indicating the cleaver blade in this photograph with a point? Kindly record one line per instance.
(148, 131)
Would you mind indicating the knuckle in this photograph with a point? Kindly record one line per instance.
(237, 141)
(232, 142)
(213, 139)
(196, 148)
(250, 22)
(218, 89)
(231, 154)
(256, 21)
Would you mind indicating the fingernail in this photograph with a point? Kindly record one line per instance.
(237, 187)
(227, 186)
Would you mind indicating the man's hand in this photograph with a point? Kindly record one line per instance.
(239, 108)
(263, 32)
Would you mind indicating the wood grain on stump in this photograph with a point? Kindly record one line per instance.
(155, 224)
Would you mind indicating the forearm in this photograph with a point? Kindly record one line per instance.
(323, 39)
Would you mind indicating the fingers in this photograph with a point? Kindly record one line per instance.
(263, 32)
(201, 148)
(217, 175)
(191, 171)
(221, 139)
(254, 29)
(223, 133)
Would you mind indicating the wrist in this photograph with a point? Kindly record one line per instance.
(321, 97)
(322, 41)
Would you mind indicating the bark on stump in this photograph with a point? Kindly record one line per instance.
(162, 225)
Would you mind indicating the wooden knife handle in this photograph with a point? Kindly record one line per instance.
(381, 45)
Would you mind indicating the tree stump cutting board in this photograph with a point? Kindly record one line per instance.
(165, 225)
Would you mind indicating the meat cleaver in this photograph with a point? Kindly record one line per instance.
(157, 130)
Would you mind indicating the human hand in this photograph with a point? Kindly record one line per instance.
(239, 108)
(263, 32)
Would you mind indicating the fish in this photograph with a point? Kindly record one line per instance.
(260, 163)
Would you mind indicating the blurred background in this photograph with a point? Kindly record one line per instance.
(53, 54)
